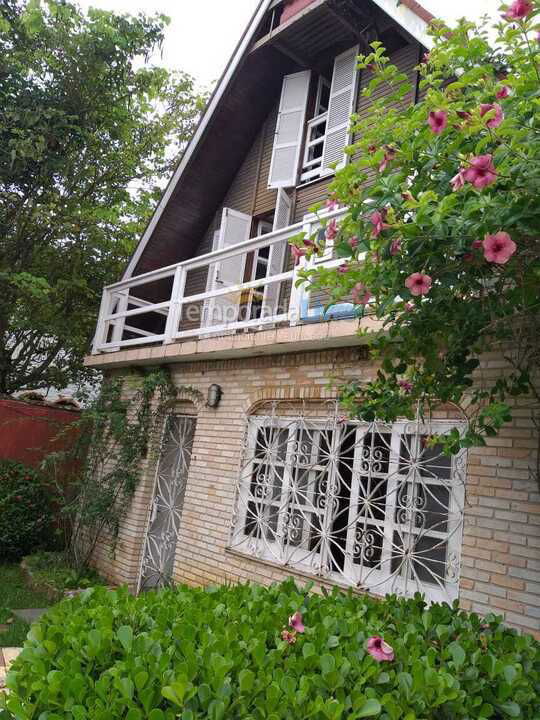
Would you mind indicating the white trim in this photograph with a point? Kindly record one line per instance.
(408, 20)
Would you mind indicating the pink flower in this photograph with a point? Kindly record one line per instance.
(481, 172)
(342, 419)
(377, 220)
(360, 294)
(343, 268)
(499, 248)
(503, 92)
(353, 242)
(437, 121)
(331, 229)
(395, 247)
(297, 253)
(419, 284)
(378, 649)
(426, 57)
(389, 155)
(476, 244)
(497, 119)
(406, 386)
(458, 181)
(331, 204)
(295, 621)
(408, 307)
(518, 10)
(289, 637)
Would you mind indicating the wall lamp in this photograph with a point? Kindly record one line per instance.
(214, 396)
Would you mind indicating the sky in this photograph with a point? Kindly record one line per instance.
(203, 33)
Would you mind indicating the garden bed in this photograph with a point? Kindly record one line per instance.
(254, 653)
(50, 574)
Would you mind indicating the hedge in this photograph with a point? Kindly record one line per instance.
(243, 652)
(25, 510)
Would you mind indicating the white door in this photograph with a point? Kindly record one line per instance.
(223, 309)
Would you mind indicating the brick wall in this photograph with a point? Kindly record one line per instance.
(501, 544)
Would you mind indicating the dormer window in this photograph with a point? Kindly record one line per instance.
(324, 137)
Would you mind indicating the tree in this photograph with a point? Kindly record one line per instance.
(87, 132)
(441, 241)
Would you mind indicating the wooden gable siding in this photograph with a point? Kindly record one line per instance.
(249, 192)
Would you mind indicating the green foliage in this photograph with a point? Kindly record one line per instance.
(115, 434)
(218, 653)
(53, 569)
(88, 133)
(429, 345)
(15, 595)
(25, 510)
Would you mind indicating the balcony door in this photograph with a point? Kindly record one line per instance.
(223, 310)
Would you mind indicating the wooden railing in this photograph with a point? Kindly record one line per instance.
(158, 306)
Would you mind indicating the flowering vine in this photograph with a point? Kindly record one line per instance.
(441, 239)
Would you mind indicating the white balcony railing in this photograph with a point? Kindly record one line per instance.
(166, 305)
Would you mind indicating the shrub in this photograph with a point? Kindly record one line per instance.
(25, 510)
(219, 653)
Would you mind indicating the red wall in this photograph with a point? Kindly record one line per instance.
(293, 7)
(28, 431)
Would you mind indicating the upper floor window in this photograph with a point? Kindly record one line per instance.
(328, 132)
(374, 506)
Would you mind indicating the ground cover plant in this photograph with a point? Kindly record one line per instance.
(16, 595)
(281, 652)
(54, 570)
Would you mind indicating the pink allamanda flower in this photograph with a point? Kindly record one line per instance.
(389, 155)
(331, 229)
(331, 204)
(437, 121)
(360, 294)
(380, 650)
(297, 253)
(499, 248)
(497, 119)
(343, 268)
(296, 622)
(406, 386)
(395, 247)
(502, 92)
(519, 10)
(419, 283)
(288, 637)
(458, 181)
(377, 220)
(481, 171)
(353, 242)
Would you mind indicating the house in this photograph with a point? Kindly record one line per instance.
(260, 477)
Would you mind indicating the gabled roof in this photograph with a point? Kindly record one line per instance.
(196, 179)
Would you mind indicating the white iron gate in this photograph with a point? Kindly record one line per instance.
(168, 501)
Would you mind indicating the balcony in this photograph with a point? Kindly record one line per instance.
(161, 308)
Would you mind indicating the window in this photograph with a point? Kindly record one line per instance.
(373, 506)
(316, 133)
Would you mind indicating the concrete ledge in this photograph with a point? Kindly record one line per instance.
(315, 336)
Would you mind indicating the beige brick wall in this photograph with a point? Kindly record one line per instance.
(501, 544)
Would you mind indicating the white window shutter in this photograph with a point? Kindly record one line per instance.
(276, 260)
(342, 99)
(235, 228)
(289, 130)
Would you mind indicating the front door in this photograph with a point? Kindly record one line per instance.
(167, 503)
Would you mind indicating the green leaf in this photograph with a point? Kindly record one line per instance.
(125, 635)
(458, 654)
(246, 679)
(511, 709)
(370, 708)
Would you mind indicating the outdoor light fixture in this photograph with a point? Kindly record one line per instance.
(214, 396)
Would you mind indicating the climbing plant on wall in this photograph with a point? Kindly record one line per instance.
(441, 241)
(116, 434)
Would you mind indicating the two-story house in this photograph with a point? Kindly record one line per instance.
(267, 479)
